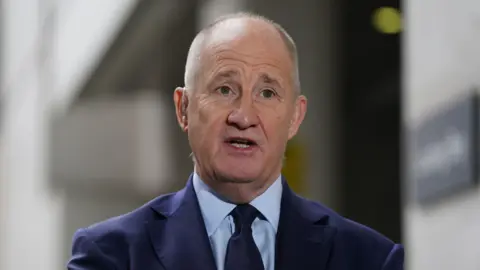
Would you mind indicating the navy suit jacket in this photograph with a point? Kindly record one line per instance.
(168, 233)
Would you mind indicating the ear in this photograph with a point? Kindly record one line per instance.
(180, 98)
(298, 115)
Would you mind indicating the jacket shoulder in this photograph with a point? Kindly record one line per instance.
(364, 247)
(109, 244)
(351, 235)
(126, 225)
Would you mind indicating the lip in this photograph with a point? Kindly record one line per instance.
(254, 142)
(247, 151)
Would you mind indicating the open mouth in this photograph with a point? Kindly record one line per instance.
(241, 142)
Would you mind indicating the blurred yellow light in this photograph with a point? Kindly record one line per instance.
(387, 20)
(295, 166)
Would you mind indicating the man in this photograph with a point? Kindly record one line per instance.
(240, 105)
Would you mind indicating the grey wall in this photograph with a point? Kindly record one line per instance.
(441, 62)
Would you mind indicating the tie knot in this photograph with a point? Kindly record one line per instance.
(244, 215)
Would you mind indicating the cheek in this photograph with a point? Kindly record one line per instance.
(274, 118)
(210, 112)
(276, 130)
(276, 125)
(273, 109)
(207, 121)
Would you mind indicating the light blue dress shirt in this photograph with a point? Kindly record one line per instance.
(220, 225)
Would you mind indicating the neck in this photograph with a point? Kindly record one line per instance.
(236, 191)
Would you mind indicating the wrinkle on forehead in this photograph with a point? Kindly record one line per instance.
(223, 67)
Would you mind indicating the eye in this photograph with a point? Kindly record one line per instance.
(224, 90)
(268, 93)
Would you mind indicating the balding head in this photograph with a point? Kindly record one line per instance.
(231, 23)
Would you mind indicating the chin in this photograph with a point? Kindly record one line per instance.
(239, 170)
(239, 175)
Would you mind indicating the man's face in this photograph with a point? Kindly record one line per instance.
(244, 107)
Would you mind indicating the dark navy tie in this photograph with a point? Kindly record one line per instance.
(242, 252)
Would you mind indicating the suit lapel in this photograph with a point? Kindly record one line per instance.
(178, 235)
(304, 238)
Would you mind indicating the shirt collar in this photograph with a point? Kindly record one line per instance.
(215, 209)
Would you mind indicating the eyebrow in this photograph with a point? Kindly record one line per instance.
(269, 80)
(227, 74)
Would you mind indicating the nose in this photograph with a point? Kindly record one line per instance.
(243, 116)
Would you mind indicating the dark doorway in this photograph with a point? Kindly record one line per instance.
(370, 83)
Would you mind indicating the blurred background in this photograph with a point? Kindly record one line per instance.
(88, 131)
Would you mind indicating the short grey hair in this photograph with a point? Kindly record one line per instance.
(194, 51)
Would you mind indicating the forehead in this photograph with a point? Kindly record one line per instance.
(251, 43)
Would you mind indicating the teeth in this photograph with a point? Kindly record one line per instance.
(240, 145)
